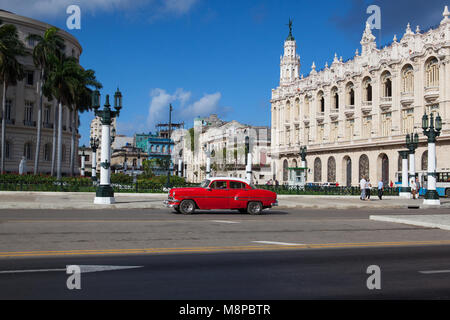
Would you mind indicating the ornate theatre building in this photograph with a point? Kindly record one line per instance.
(353, 116)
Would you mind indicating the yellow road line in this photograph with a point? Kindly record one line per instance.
(217, 249)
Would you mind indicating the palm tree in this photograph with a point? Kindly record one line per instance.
(82, 102)
(48, 45)
(63, 80)
(11, 71)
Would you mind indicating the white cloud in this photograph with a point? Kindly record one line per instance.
(56, 8)
(183, 110)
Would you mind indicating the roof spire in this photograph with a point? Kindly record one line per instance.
(445, 14)
(290, 36)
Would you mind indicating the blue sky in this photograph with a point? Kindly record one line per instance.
(207, 56)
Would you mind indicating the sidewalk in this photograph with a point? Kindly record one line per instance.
(82, 200)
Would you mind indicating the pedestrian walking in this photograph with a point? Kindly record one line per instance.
(418, 187)
(362, 186)
(380, 189)
(368, 188)
(413, 189)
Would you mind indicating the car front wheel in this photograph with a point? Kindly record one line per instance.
(254, 208)
(187, 207)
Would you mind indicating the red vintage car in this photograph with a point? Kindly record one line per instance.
(221, 193)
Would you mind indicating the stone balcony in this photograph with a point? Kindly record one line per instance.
(385, 103)
(366, 106)
(431, 93)
(349, 110)
(406, 98)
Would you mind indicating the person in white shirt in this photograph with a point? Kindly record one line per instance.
(380, 189)
(362, 185)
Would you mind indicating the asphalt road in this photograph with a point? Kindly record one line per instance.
(284, 254)
(278, 275)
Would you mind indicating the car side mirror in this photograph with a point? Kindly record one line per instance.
(208, 188)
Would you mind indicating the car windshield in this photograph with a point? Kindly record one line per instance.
(205, 183)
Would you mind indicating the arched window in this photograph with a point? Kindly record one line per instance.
(408, 79)
(386, 82)
(363, 167)
(288, 111)
(297, 108)
(331, 176)
(317, 170)
(424, 161)
(306, 106)
(321, 102)
(367, 86)
(350, 94)
(285, 170)
(432, 73)
(335, 98)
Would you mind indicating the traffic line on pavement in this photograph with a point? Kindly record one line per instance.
(279, 243)
(259, 247)
(83, 269)
(434, 271)
(225, 221)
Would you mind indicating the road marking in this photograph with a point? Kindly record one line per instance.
(434, 271)
(224, 221)
(279, 243)
(83, 268)
(219, 249)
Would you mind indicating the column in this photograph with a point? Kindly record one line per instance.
(405, 191)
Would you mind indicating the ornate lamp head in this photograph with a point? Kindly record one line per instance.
(438, 123)
(408, 139)
(96, 100)
(118, 100)
(425, 122)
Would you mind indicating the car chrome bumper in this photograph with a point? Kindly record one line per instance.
(171, 204)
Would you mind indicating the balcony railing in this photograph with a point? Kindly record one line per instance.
(47, 125)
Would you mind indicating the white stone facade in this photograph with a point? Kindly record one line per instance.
(227, 139)
(22, 103)
(353, 116)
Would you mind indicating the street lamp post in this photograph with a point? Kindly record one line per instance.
(412, 143)
(94, 145)
(180, 163)
(303, 151)
(405, 190)
(83, 161)
(208, 160)
(248, 169)
(432, 129)
(105, 193)
(168, 147)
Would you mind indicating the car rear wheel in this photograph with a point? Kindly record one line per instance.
(254, 208)
(187, 207)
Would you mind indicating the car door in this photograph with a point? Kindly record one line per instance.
(237, 189)
(218, 195)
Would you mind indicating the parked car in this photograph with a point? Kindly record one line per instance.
(329, 184)
(221, 193)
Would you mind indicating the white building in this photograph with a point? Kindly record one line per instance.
(353, 116)
(226, 142)
(22, 103)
